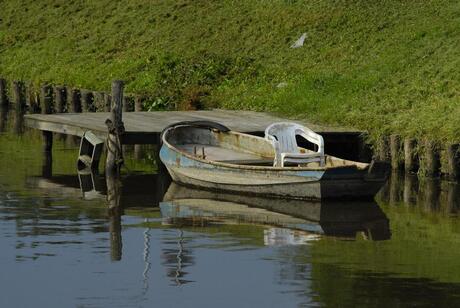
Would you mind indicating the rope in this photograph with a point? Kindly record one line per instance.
(114, 147)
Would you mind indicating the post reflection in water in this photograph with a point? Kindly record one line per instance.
(3, 118)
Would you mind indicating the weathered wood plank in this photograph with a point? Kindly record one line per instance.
(144, 127)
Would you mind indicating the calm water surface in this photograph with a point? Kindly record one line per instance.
(171, 246)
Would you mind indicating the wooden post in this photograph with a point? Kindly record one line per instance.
(431, 164)
(107, 102)
(411, 163)
(32, 100)
(47, 108)
(19, 96)
(125, 104)
(138, 147)
(138, 103)
(47, 99)
(75, 101)
(60, 95)
(116, 129)
(19, 106)
(3, 94)
(395, 152)
(112, 167)
(4, 106)
(98, 101)
(453, 161)
(383, 149)
(87, 99)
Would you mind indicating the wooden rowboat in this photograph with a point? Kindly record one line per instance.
(208, 155)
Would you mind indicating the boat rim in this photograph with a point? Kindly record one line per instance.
(249, 167)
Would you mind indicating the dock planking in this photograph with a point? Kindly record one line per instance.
(145, 127)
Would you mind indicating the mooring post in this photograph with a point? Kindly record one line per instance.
(47, 108)
(137, 103)
(107, 102)
(19, 105)
(75, 100)
(113, 164)
(32, 101)
(47, 99)
(383, 149)
(431, 162)
(87, 99)
(98, 101)
(411, 163)
(3, 105)
(137, 108)
(395, 152)
(60, 95)
(116, 129)
(453, 161)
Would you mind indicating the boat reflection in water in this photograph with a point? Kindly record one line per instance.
(289, 221)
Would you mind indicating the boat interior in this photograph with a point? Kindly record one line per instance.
(237, 148)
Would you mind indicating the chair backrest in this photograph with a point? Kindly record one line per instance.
(284, 133)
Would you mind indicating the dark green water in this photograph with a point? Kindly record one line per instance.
(175, 247)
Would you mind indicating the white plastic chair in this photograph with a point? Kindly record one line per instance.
(283, 138)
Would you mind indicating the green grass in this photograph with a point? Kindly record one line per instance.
(385, 66)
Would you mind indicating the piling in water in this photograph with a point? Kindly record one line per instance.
(430, 161)
(87, 101)
(60, 97)
(46, 94)
(383, 153)
(98, 101)
(137, 103)
(453, 162)
(32, 100)
(19, 97)
(396, 152)
(107, 102)
(75, 100)
(411, 160)
(137, 147)
(116, 129)
(19, 101)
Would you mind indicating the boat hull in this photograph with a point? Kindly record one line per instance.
(338, 183)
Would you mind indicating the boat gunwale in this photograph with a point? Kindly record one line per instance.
(252, 167)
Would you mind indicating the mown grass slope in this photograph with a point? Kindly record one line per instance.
(386, 66)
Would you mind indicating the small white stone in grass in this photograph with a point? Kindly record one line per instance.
(282, 85)
(300, 41)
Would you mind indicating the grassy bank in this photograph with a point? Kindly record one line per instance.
(385, 66)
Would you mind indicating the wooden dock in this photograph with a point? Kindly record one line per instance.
(145, 127)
